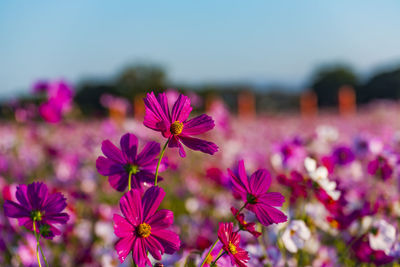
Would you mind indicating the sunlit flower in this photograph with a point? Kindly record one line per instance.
(143, 229)
(253, 191)
(246, 226)
(118, 163)
(382, 236)
(320, 176)
(230, 243)
(175, 125)
(296, 235)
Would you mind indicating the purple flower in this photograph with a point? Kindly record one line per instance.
(118, 163)
(380, 167)
(343, 155)
(59, 98)
(175, 125)
(253, 191)
(36, 204)
(143, 229)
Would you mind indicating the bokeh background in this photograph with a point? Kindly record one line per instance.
(282, 80)
(276, 51)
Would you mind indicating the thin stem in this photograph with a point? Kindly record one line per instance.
(37, 244)
(129, 180)
(237, 213)
(209, 252)
(220, 255)
(159, 162)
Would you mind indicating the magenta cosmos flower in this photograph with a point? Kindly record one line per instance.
(36, 204)
(246, 226)
(175, 125)
(118, 163)
(253, 191)
(143, 229)
(230, 243)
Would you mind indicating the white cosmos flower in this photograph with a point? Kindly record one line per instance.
(320, 176)
(383, 236)
(295, 235)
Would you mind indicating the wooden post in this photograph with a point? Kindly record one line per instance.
(308, 104)
(138, 106)
(347, 100)
(246, 104)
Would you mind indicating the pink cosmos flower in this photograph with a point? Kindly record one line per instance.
(223, 261)
(143, 229)
(253, 191)
(249, 227)
(119, 162)
(59, 100)
(36, 204)
(230, 243)
(175, 125)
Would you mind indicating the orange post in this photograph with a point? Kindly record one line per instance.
(246, 104)
(308, 104)
(347, 100)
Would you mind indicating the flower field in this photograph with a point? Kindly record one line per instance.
(281, 190)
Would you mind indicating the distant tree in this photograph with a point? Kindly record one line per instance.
(327, 81)
(88, 97)
(139, 79)
(384, 85)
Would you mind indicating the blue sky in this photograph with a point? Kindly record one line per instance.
(197, 41)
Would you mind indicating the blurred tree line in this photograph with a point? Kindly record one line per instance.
(136, 80)
(327, 81)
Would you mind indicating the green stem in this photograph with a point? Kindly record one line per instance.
(238, 212)
(129, 180)
(220, 255)
(37, 244)
(209, 252)
(159, 162)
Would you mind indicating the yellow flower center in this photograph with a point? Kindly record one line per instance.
(143, 230)
(334, 224)
(209, 259)
(232, 248)
(176, 128)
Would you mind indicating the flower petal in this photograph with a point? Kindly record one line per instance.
(107, 167)
(112, 152)
(139, 254)
(148, 154)
(37, 194)
(266, 214)
(124, 246)
(181, 109)
(119, 181)
(274, 199)
(168, 239)
(198, 125)
(129, 143)
(157, 115)
(122, 227)
(151, 201)
(14, 210)
(131, 207)
(55, 203)
(259, 182)
(154, 247)
(199, 144)
(161, 219)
